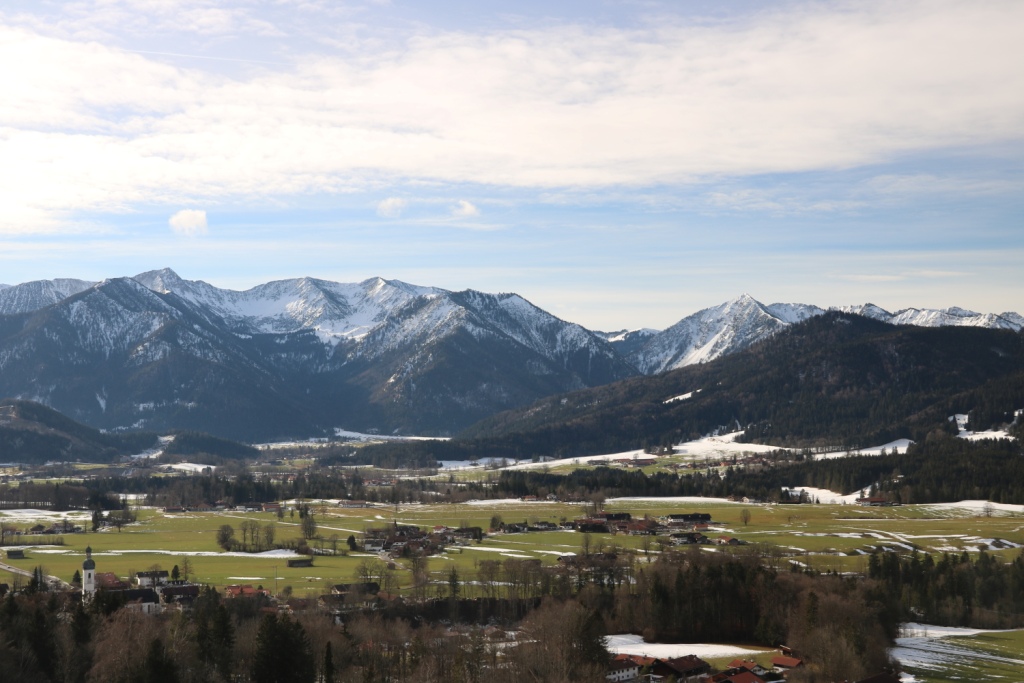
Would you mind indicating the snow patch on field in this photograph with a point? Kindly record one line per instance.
(825, 496)
(964, 433)
(922, 647)
(900, 445)
(30, 514)
(631, 644)
(978, 507)
(499, 501)
(720, 445)
(196, 553)
(670, 499)
(192, 467)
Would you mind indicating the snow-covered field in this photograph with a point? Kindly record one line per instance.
(628, 643)
(923, 647)
(31, 515)
(157, 551)
(671, 499)
(825, 496)
(978, 507)
(964, 433)
(191, 467)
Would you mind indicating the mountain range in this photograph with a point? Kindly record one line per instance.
(303, 356)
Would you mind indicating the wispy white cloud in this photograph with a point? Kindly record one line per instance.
(871, 277)
(464, 209)
(392, 207)
(189, 222)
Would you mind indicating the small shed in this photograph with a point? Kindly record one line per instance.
(16, 554)
(300, 562)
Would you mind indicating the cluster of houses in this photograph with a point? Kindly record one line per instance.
(151, 592)
(403, 539)
(406, 539)
(342, 598)
(59, 527)
(682, 529)
(627, 668)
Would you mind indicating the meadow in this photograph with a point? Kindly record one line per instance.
(825, 537)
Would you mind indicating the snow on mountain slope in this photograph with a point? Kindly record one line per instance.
(950, 317)
(31, 296)
(334, 310)
(378, 316)
(1014, 319)
(868, 311)
(736, 324)
(533, 327)
(711, 333)
(793, 313)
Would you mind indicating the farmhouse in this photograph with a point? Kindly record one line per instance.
(246, 591)
(685, 668)
(152, 579)
(782, 663)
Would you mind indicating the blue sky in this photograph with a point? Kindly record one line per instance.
(620, 164)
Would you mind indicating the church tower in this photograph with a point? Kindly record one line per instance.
(88, 576)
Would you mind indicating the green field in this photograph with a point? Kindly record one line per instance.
(826, 537)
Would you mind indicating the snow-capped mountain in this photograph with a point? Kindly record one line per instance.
(303, 356)
(945, 317)
(31, 296)
(289, 357)
(715, 332)
(335, 311)
(733, 326)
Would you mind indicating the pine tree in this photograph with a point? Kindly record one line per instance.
(327, 675)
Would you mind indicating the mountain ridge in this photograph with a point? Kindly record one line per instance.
(302, 356)
(299, 357)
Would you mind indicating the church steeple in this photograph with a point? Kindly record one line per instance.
(88, 576)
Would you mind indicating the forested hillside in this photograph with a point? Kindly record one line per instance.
(32, 433)
(836, 380)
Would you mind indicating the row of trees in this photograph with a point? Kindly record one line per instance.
(952, 589)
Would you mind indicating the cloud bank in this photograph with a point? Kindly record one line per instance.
(88, 127)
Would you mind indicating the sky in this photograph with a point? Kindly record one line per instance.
(621, 164)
